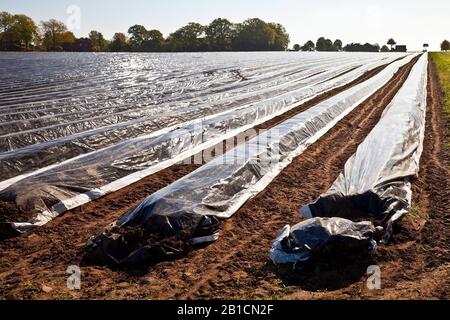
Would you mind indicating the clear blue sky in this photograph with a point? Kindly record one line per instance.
(410, 22)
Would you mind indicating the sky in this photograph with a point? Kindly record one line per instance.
(409, 22)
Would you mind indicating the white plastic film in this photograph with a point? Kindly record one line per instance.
(223, 185)
(376, 179)
(90, 175)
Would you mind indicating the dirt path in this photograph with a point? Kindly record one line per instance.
(236, 266)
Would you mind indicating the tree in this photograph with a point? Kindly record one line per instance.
(297, 47)
(6, 23)
(17, 31)
(138, 35)
(323, 44)
(337, 45)
(254, 35)
(373, 47)
(384, 48)
(357, 47)
(24, 30)
(391, 42)
(445, 45)
(154, 42)
(68, 37)
(219, 35)
(281, 40)
(119, 43)
(188, 38)
(99, 44)
(308, 46)
(55, 34)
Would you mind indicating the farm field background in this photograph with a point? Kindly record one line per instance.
(44, 122)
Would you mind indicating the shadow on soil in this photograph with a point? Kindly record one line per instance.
(324, 272)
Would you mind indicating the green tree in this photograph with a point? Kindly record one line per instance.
(281, 41)
(188, 38)
(68, 37)
(138, 35)
(337, 45)
(145, 40)
(6, 23)
(55, 34)
(154, 42)
(384, 48)
(99, 43)
(357, 47)
(391, 42)
(24, 31)
(67, 41)
(119, 43)
(297, 47)
(309, 46)
(219, 35)
(17, 31)
(445, 45)
(254, 35)
(323, 44)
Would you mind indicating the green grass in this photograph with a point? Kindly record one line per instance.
(442, 61)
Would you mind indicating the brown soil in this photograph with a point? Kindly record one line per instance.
(415, 265)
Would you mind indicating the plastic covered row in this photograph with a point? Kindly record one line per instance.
(31, 144)
(376, 182)
(219, 188)
(49, 191)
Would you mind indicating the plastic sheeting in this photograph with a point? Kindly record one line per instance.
(301, 242)
(375, 182)
(29, 137)
(91, 175)
(223, 185)
(28, 150)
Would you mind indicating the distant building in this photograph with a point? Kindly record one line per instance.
(80, 45)
(400, 48)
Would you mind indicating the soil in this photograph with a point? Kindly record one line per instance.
(414, 266)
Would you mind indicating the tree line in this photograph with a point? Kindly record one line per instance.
(323, 44)
(19, 32)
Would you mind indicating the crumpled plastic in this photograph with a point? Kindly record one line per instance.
(302, 241)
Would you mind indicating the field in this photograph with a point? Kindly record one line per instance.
(85, 142)
(442, 62)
